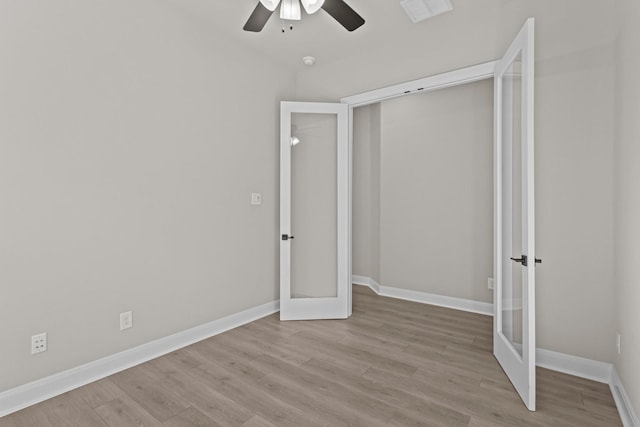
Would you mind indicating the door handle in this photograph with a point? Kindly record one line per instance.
(287, 237)
(524, 260)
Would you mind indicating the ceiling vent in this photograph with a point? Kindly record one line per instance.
(419, 10)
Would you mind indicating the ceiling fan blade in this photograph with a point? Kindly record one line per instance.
(342, 12)
(258, 19)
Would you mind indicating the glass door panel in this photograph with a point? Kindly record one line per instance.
(511, 305)
(314, 205)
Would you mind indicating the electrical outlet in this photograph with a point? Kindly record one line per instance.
(126, 320)
(490, 283)
(618, 342)
(38, 343)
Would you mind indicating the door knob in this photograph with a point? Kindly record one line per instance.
(287, 237)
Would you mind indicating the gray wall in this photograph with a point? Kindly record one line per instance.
(627, 197)
(127, 160)
(436, 192)
(574, 131)
(366, 192)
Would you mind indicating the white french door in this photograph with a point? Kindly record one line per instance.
(514, 333)
(314, 211)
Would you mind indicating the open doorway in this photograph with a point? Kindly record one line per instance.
(423, 192)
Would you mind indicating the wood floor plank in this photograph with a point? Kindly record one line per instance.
(428, 415)
(325, 394)
(29, 417)
(406, 403)
(204, 396)
(280, 348)
(191, 417)
(355, 352)
(69, 411)
(461, 396)
(323, 405)
(144, 384)
(125, 412)
(258, 421)
(230, 357)
(98, 393)
(185, 358)
(243, 391)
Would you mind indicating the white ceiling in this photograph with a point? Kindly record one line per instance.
(317, 35)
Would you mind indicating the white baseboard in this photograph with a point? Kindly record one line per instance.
(623, 403)
(574, 365)
(366, 281)
(439, 300)
(37, 391)
(425, 298)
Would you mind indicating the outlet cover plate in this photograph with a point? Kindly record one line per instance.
(126, 320)
(38, 343)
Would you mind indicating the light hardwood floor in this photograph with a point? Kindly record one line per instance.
(393, 363)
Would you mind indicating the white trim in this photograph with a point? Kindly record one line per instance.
(574, 365)
(350, 221)
(623, 403)
(366, 281)
(45, 388)
(485, 308)
(439, 81)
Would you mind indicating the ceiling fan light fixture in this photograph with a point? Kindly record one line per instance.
(270, 4)
(290, 10)
(312, 6)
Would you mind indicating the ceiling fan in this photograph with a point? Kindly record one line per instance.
(290, 10)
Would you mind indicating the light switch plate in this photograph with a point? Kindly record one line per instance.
(256, 199)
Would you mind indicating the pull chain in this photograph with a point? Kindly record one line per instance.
(290, 27)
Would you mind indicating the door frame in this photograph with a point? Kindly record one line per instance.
(453, 78)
